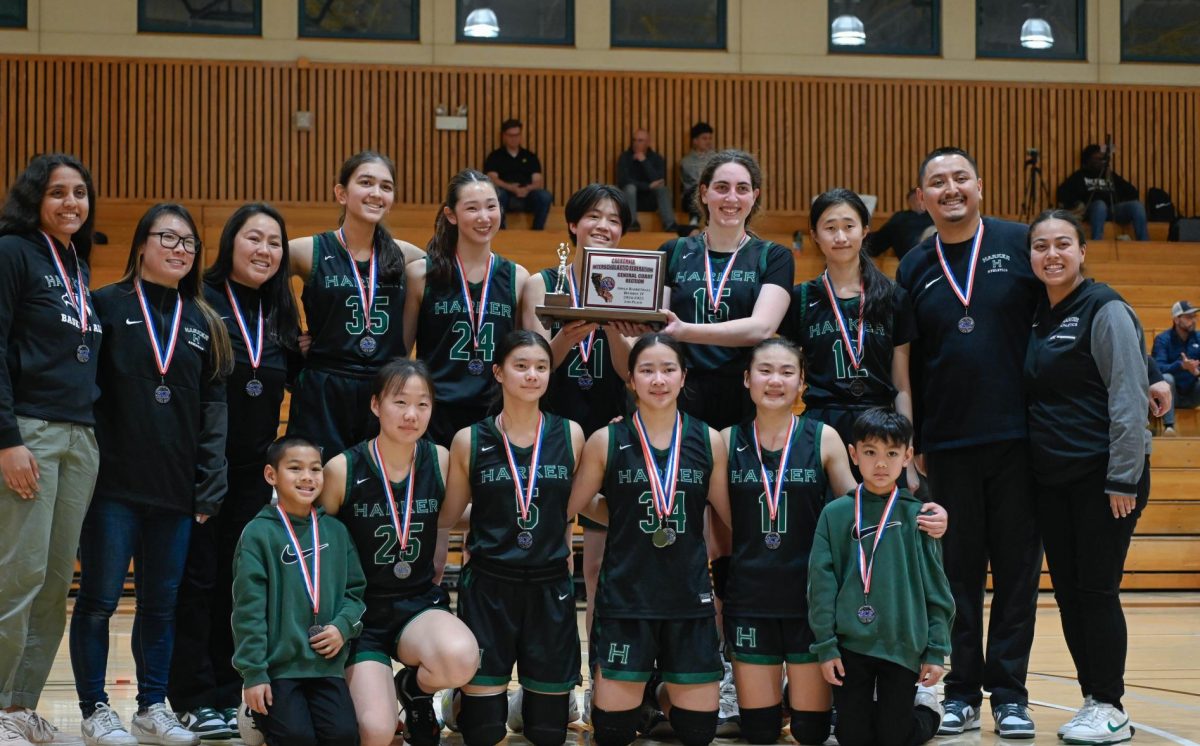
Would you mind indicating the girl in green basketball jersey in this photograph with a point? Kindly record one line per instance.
(516, 593)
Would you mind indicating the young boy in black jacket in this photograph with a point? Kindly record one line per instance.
(297, 598)
(879, 603)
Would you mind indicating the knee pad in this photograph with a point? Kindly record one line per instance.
(545, 717)
(694, 727)
(810, 728)
(481, 719)
(614, 727)
(762, 724)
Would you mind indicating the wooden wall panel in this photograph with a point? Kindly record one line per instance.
(203, 130)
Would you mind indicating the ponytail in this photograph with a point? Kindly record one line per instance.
(444, 243)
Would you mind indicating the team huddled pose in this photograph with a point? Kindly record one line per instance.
(745, 565)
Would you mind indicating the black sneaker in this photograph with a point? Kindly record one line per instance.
(421, 727)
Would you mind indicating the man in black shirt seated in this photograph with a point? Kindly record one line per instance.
(517, 174)
(1098, 194)
(642, 172)
(903, 230)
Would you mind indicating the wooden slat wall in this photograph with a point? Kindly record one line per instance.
(201, 130)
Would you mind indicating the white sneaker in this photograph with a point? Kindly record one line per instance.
(11, 732)
(516, 723)
(729, 718)
(1084, 711)
(959, 716)
(927, 698)
(246, 727)
(158, 725)
(448, 704)
(1104, 724)
(40, 731)
(104, 728)
(572, 708)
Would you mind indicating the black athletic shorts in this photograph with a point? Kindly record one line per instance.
(332, 410)
(769, 640)
(523, 618)
(718, 398)
(448, 419)
(385, 620)
(686, 650)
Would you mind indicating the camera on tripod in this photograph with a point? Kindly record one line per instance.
(1031, 156)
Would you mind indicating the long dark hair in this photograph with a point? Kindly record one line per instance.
(785, 344)
(22, 211)
(877, 288)
(511, 342)
(388, 256)
(279, 305)
(720, 158)
(590, 196)
(650, 339)
(190, 287)
(444, 243)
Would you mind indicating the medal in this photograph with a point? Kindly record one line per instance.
(858, 387)
(966, 324)
(402, 527)
(524, 493)
(585, 381)
(77, 302)
(714, 297)
(854, 350)
(312, 582)
(162, 359)
(662, 492)
(866, 612)
(475, 366)
(773, 540)
(254, 345)
(366, 293)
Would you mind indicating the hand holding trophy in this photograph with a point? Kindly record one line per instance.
(614, 285)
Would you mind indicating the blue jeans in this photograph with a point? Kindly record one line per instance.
(157, 541)
(538, 202)
(1123, 212)
(1180, 399)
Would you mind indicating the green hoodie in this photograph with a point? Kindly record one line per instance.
(909, 590)
(271, 609)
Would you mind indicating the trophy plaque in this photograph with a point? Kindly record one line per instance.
(615, 285)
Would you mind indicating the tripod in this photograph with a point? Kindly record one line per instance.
(1034, 186)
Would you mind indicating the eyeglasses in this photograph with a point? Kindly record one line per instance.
(171, 240)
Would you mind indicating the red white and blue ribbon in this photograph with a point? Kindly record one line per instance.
(865, 568)
(402, 527)
(476, 320)
(773, 494)
(853, 349)
(78, 302)
(662, 482)
(162, 358)
(255, 348)
(714, 297)
(585, 347)
(366, 294)
(312, 581)
(964, 296)
(524, 492)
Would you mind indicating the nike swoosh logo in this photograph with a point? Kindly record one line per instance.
(563, 597)
(936, 279)
(815, 302)
(627, 445)
(742, 448)
(328, 258)
(226, 318)
(485, 449)
(1111, 729)
(360, 481)
(685, 256)
(131, 322)
(288, 557)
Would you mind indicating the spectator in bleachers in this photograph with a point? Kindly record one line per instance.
(1097, 194)
(517, 174)
(691, 166)
(1177, 352)
(903, 230)
(642, 173)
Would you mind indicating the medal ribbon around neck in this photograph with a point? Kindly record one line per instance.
(79, 303)
(524, 492)
(366, 295)
(161, 359)
(714, 298)
(773, 495)
(312, 583)
(585, 348)
(853, 349)
(964, 296)
(663, 494)
(476, 321)
(254, 348)
(865, 569)
(401, 529)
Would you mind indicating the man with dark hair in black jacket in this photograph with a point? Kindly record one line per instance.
(1099, 194)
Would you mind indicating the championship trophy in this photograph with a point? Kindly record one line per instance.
(615, 285)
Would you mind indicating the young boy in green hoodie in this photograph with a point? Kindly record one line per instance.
(297, 598)
(879, 604)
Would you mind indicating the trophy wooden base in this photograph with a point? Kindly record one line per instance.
(555, 310)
